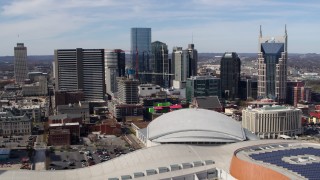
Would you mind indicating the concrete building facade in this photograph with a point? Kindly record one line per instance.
(81, 69)
(128, 91)
(20, 63)
(11, 124)
(270, 122)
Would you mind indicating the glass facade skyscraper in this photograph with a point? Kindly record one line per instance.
(141, 46)
(230, 75)
(160, 64)
(272, 70)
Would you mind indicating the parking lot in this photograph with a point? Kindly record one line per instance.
(18, 159)
(11, 142)
(104, 149)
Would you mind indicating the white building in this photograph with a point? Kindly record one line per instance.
(14, 125)
(81, 108)
(32, 111)
(39, 88)
(145, 90)
(193, 126)
(269, 122)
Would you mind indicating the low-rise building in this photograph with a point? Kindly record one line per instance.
(11, 124)
(210, 103)
(121, 111)
(59, 137)
(147, 90)
(270, 122)
(32, 111)
(81, 108)
(74, 130)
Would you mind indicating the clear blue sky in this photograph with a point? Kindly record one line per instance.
(216, 25)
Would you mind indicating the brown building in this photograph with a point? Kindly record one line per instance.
(108, 127)
(209, 102)
(74, 130)
(297, 92)
(59, 137)
(68, 97)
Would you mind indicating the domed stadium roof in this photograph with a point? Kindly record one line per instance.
(195, 125)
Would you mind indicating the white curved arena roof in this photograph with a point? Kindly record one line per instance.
(195, 125)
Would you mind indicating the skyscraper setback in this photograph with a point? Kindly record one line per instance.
(81, 69)
(272, 70)
(20, 63)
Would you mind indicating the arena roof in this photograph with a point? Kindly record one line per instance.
(156, 157)
(195, 125)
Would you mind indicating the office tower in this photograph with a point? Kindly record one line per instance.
(248, 88)
(230, 75)
(141, 49)
(178, 65)
(272, 70)
(201, 86)
(20, 63)
(160, 64)
(114, 67)
(128, 91)
(81, 69)
(270, 122)
(184, 62)
(192, 58)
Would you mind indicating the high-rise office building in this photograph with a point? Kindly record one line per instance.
(202, 86)
(114, 67)
(128, 91)
(230, 75)
(272, 70)
(160, 64)
(81, 69)
(20, 63)
(141, 49)
(184, 62)
(192, 58)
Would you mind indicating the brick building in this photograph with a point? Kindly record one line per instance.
(59, 137)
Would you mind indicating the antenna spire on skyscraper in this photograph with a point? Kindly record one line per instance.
(285, 29)
(260, 31)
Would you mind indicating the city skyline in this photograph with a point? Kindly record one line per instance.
(213, 26)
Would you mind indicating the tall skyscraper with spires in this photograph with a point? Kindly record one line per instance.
(20, 63)
(272, 68)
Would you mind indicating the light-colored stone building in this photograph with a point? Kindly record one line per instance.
(270, 122)
(14, 125)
